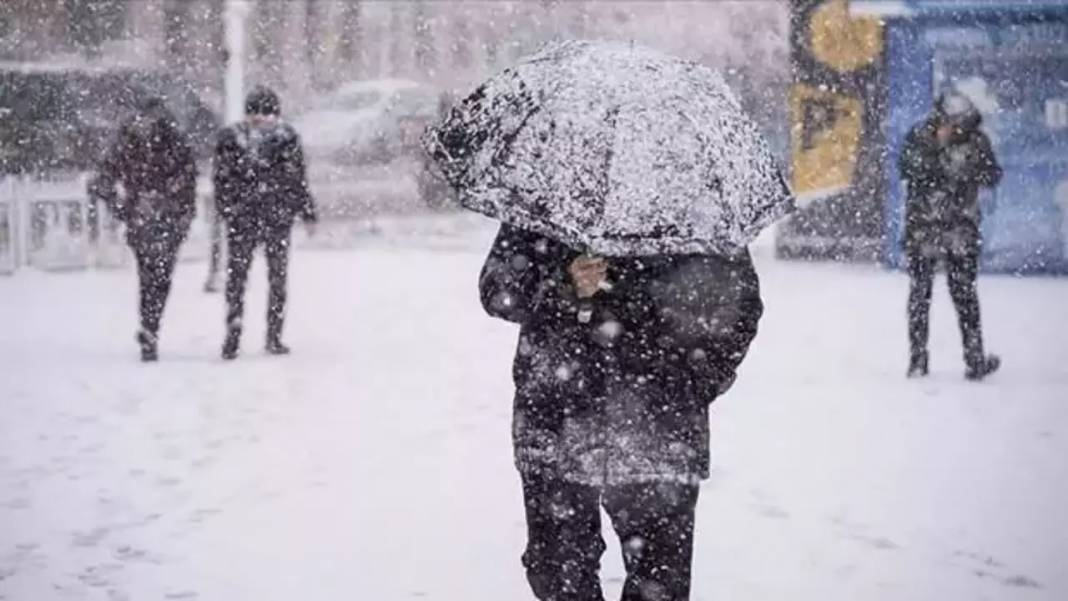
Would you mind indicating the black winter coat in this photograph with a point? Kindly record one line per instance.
(942, 211)
(153, 160)
(260, 177)
(623, 398)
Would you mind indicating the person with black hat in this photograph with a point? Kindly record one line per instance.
(261, 187)
(945, 160)
(153, 160)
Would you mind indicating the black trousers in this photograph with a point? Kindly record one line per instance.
(156, 250)
(240, 247)
(216, 241)
(654, 523)
(961, 272)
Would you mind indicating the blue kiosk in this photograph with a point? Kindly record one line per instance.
(1009, 56)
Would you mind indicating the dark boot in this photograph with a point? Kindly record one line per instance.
(275, 347)
(983, 368)
(918, 365)
(148, 343)
(232, 343)
(277, 250)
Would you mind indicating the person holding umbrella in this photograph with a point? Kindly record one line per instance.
(628, 184)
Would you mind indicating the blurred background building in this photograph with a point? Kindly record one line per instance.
(866, 71)
(305, 47)
(835, 84)
(360, 79)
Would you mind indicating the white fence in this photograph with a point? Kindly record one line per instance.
(49, 224)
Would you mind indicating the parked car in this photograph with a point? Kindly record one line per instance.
(57, 118)
(373, 129)
(368, 121)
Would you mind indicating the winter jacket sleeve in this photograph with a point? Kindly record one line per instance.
(224, 172)
(109, 172)
(988, 171)
(297, 179)
(915, 165)
(524, 276)
(721, 310)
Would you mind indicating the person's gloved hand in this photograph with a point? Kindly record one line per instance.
(957, 163)
(725, 385)
(588, 275)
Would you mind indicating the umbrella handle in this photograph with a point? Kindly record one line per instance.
(585, 311)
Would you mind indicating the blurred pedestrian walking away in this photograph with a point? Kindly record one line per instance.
(261, 187)
(153, 160)
(945, 160)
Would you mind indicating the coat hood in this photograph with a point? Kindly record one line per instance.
(262, 100)
(954, 108)
(156, 125)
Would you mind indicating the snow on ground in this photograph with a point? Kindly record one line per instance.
(374, 463)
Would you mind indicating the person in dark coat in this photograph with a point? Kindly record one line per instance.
(153, 160)
(261, 187)
(617, 363)
(945, 160)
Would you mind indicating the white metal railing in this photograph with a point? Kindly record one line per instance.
(48, 224)
(9, 239)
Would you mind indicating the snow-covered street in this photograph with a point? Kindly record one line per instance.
(375, 462)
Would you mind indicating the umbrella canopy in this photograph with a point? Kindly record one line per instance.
(615, 149)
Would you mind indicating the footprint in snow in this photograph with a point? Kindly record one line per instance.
(202, 514)
(771, 511)
(878, 542)
(16, 503)
(855, 531)
(90, 538)
(1021, 581)
(986, 566)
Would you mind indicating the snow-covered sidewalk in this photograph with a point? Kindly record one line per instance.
(374, 463)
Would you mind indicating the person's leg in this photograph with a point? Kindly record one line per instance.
(921, 277)
(144, 284)
(215, 234)
(156, 289)
(564, 544)
(164, 266)
(147, 253)
(963, 270)
(655, 523)
(277, 250)
(240, 245)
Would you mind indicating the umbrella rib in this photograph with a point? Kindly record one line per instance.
(547, 226)
(510, 137)
(611, 118)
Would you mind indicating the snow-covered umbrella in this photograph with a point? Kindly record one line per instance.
(615, 149)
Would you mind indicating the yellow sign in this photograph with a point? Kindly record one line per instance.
(825, 139)
(842, 42)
